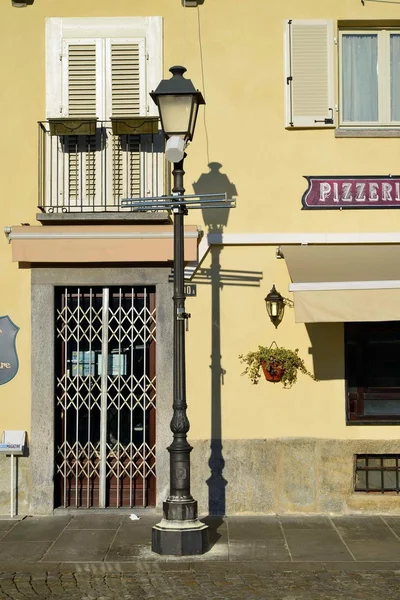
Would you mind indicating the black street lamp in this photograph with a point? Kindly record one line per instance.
(179, 532)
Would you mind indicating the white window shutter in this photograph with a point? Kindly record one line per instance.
(309, 73)
(126, 97)
(80, 157)
(127, 76)
(80, 81)
(126, 168)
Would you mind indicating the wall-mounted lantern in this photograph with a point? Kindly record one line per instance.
(275, 306)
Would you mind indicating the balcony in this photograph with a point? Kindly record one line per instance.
(87, 169)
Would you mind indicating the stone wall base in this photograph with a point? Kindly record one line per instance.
(22, 483)
(281, 476)
(285, 476)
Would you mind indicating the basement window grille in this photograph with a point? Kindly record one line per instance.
(377, 473)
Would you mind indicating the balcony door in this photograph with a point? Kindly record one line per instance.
(101, 78)
(105, 398)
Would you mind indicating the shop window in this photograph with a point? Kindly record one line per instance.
(372, 359)
(370, 78)
(377, 473)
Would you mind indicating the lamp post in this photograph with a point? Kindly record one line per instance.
(179, 532)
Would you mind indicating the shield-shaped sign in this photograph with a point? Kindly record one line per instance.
(8, 351)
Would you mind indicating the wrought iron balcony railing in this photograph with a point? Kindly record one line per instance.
(93, 173)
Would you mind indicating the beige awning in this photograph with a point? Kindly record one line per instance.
(337, 283)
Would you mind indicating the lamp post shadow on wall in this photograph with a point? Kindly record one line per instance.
(179, 532)
(216, 221)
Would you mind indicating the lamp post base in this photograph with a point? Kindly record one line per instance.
(180, 538)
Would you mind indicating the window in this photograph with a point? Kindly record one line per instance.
(364, 88)
(102, 67)
(370, 78)
(377, 473)
(309, 73)
(372, 358)
(100, 70)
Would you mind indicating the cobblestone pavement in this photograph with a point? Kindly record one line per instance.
(213, 583)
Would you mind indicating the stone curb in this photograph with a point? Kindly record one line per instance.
(100, 568)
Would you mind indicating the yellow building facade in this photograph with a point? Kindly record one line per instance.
(301, 127)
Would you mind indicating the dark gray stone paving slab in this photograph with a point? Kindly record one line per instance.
(159, 566)
(123, 552)
(126, 552)
(378, 550)
(136, 532)
(316, 545)
(254, 528)
(7, 524)
(217, 530)
(80, 545)
(393, 523)
(361, 566)
(95, 522)
(305, 523)
(21, 552)
(275, 550)
(362, 528)
(198, 566)
(40, 529)
(238, 566)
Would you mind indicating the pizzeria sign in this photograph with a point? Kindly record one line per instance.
(352, 192)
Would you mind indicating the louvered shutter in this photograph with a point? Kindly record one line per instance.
(80, 157)
(82, 97)
(126, 98)
(81, 81)
(126, 79)
(309, 73)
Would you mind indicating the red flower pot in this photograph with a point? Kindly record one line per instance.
(273, 373)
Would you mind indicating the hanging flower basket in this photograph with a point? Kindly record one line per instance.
(273, 372)
(277, 363)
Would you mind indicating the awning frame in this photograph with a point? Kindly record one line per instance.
(314, 286)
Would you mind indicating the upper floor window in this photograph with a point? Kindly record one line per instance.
(101, 143)
(359, 79)
(102, 67)
(309, 73)
(370, 78)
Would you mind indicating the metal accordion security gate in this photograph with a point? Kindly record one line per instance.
(105, 397)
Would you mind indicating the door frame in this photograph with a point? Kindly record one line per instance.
(43, 282)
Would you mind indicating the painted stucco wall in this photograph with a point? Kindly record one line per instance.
(234, 53)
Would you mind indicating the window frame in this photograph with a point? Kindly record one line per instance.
(384, 96)
(369, 471)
